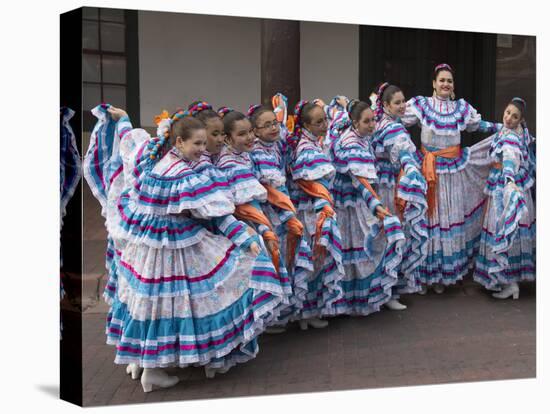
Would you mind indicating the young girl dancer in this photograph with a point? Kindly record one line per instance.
(370, 263)
(184, 296)
(507, 250)
(401, 186)
(311, 172)
(455, 178)
(269, 158)
(247, 191)
(215, 138)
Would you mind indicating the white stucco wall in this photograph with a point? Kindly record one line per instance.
(223, 67)
(329, 60)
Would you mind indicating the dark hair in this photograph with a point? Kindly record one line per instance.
(389, 91)
(229, 120)
(184, 127)
(356, 108)
(443, 67)
(203, 114)
(384, 93)
(304, 116)
(520, 104)
(255, 112)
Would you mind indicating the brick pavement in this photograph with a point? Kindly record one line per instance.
(461, 335)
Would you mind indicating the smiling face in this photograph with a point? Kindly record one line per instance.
(366, 124)
(214, 135)
(397, 104)
(319, 123)
(192, 147)
(267, 128)
(512, 117)
(444, 84)
(241, 136)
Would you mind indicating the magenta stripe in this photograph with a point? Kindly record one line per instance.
(116, 174)
(234, 231)
(152, 229)
(171, 166)
(164, 279)
(96, 163)
(310, 163)
(178, 197)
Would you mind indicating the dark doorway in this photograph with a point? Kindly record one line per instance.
(406, 57)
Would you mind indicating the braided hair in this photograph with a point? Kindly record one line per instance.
(180, 124)
(202, 110)
(384, 94)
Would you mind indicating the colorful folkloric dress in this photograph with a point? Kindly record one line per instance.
(400, 182)
(372, 251)
(249, 196)
(104, 173)
(507, 248)
(269, 159)
(206, 166)
(69, 172)
(311, 172)
(184, 295)
(456, 178)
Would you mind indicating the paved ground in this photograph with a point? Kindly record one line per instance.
(461, 335)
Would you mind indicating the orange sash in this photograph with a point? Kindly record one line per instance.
(430, 173)
(366, 183)
(293, 225)
(317, 190)
(249, 212)
(398, 201)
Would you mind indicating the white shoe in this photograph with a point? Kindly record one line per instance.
(157, 377)
(275, 329)
(510, 290)
(423, 290)
(134, 370)
(439, 288)
(313, 322)
(395, 305)
(211, 372)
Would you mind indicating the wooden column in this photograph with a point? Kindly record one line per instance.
(281, 60)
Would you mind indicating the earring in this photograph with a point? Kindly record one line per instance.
(434, 94)
(452, 96)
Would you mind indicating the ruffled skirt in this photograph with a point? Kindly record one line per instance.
(507, 251)
(201, 305)
(454, 229)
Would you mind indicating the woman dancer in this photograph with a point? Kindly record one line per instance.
(455, 178)
(507, 251)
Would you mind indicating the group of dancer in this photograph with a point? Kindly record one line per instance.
(227, 225)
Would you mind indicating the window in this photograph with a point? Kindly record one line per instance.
(104, 59)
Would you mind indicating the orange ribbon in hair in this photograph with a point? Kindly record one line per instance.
(294, 226)
(314, 189)
(163, 115)
(251, 213)
(430, 173)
